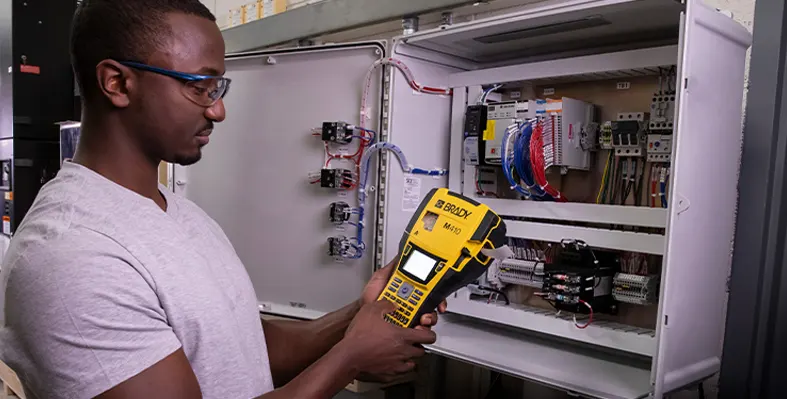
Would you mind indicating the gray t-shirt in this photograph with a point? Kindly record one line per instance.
(101, 284)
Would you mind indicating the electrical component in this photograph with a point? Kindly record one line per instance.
(662, 111)
(635, 289)
(499, 117)
(475, 120)
(337, 132)
(471, 150)
(340, 212)
(486, 181)
(337, 178)
(338, 246)
(564, 120)
(605, 138)
(659, 148)
(528, 273)
(578, 276)
(627, 134)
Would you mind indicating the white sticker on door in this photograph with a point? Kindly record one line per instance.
(411, 194)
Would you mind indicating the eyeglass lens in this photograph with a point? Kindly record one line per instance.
(206, 92)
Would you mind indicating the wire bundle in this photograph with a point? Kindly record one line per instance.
(487, 92)
(620, 180)
(659, 180)
(539, 166)
(366, 138)
(357, 242)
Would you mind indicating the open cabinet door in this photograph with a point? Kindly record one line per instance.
(253, 178)
(419, 124)
(702, 195)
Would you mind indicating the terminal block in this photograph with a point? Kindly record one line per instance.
(337, 178)
(528, 273)
(340, 212)
(605, 136)
(635, 289)
(337, 132)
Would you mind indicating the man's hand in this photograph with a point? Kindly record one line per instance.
(380, 349)
(377, 284)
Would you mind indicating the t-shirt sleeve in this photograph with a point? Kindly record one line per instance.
(85, 316)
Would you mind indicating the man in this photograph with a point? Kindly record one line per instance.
(116, 288)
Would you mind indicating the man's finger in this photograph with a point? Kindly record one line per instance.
(384, 307)
(419, 336)
(404, 367)
(388, 269)
(442, 307)
(412, 352)
(429, 319)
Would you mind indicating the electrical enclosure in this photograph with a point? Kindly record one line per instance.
(251, 181)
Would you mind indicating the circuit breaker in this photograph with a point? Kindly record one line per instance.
(627, 134)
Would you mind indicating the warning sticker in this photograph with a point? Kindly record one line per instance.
(411, 193)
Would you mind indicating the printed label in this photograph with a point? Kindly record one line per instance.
(489, 133)
(411, 193)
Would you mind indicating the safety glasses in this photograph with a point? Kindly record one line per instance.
(201, 89)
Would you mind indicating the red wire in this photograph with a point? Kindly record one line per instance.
(653, 185)
(538, 164)
(590, 318)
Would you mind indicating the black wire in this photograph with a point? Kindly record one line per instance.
(638, 190)
(615, 176)
(496, 291)
(631, 184)
(701, 391)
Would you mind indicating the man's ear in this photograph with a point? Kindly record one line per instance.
(115, 82)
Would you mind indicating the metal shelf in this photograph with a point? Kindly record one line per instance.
(324, 17)
(576, 369)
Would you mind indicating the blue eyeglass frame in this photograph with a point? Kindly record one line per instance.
(188, 77)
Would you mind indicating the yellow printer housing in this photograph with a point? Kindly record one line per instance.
(440, 252)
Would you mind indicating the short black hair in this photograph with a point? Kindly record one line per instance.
(121, 30)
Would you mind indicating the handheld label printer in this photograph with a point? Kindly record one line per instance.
(440, 252)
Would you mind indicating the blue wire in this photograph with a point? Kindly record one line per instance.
(523, 166)
(374, 134)
(507, 167)
(663, 195)
(419, 171)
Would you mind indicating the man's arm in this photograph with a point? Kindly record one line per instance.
(370, 343)
(294, 345)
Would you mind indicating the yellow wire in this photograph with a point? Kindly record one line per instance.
(604, 179)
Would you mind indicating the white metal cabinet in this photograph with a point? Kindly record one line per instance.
(253, 180)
